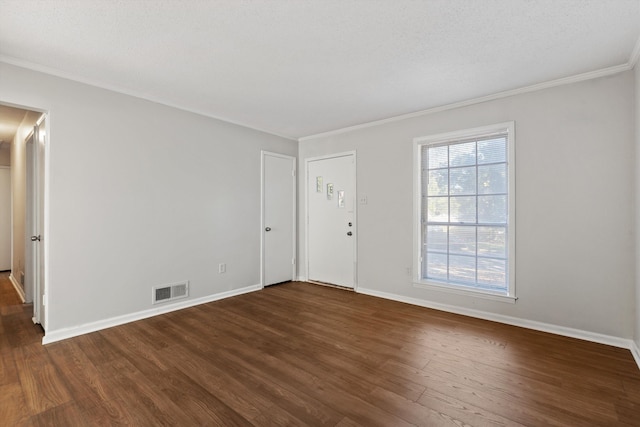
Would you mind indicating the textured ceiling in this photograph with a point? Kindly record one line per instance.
(297, 68)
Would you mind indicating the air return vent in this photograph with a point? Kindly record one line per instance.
(170, 292)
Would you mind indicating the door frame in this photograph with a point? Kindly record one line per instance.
(294, 264)
(355, 210)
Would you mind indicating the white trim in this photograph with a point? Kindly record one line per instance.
(330, 156)
(12, 217)
(482, 131)
(126, 91)
(635, 352)
(24, 107)
(39, 214)
(11, 227)
(17, 287)
(504, 94)
(635, 55)
(355, 210)
(46, 116)
(514, 321)
(294, 177)
(74, 331)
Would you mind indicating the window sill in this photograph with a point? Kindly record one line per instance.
(466, 292)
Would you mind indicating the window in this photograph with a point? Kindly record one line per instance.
(465, 206)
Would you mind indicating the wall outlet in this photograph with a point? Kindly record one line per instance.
(222, 268)
(362, 200)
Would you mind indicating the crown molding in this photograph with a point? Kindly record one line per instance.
(505, 94)
(127, 91)
(633, 60)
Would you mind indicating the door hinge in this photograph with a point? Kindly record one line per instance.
(293, 172)
(293, 261)
(44, 299)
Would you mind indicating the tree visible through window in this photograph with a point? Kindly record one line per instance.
(465, 212)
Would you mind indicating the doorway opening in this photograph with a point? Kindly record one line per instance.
(23, 138)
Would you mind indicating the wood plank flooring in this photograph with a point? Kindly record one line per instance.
(300, 354)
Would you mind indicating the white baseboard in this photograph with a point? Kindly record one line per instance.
(62, 334)
(635, 352)
(17, 287)
(509, 320)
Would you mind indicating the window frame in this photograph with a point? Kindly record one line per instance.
(507, 128)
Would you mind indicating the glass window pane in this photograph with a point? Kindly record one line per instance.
(492, 272)
(462, 240)
(437, 209)
(491, 209)
(465, 184)
(437, 238)
(462, 268)
(438, 182)
(492, 151)
(462, 154)
(463, 181)
(463, 209)
(438, 157)
(492, 179)
(436, 266)
(492, 241)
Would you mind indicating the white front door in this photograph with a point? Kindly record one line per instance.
(331, 203)
(278, 218)
(5, 218)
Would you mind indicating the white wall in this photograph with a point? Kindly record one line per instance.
(5, 157)
(637, 210)
(141, 194)
(574, 184)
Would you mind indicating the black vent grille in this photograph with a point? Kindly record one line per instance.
(163, 294)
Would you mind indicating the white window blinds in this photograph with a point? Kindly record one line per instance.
(465, 212)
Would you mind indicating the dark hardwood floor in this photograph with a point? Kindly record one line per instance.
(302, 354)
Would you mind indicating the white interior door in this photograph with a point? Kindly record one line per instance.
(278, 218)
(5, 218)
(331, 203)
(34, 224)
(30, 220)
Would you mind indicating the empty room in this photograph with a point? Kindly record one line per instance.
(320, 212)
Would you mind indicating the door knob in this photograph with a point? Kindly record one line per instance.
(349, 233)
(35, 238)
(267, 229)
